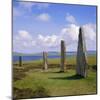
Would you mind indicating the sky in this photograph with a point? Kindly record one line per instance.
(39, 27)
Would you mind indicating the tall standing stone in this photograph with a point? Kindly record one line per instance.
(20, 60)
(63, 56)
(45, 64)
(81, 68)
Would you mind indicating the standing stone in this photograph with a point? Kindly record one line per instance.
(20, 60)
(81, 68)
(45, 64)
(63, 56)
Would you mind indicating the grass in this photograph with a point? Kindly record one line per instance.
(52, 83)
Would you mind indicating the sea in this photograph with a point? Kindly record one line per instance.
(15, 58)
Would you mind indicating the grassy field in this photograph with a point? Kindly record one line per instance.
(30, 81)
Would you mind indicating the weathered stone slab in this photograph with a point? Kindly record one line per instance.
(45, 63)
(63, 56)
(20, 60)
(81, 68)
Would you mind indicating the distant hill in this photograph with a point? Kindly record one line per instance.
(36, 54)
(21, 54)
(50, 53)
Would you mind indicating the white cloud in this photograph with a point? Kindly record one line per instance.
(26, 5)
(90, 31)
(23, 40)
(70, 18)
(42, 5)
(29, 5)
(43, 17)
(33, 43)
(70, 32)
(91, 44)
(70, 35)
(25, 44)
(23, 8)
(24, 34)
(47, 41)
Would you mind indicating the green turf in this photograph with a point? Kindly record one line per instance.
(52, 82)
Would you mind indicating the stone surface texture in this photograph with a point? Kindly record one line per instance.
(63, 56)
(81, 67)
(45, 63)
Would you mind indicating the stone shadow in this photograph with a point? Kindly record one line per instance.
(73, 77)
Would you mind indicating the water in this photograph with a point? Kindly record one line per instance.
(38, 57)
(30, 58)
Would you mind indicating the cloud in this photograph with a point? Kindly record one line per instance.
(70, 32)
(70, 35)
(23, 40)
(42, 5)
(72, 28)
(22, 8)
(47, 41)
(25, 8)
(90, 31)
(24, 34)
(29, 5)
(26, 5)
(43, 17)
(70, 19)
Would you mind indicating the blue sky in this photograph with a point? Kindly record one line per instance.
(41, 26)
